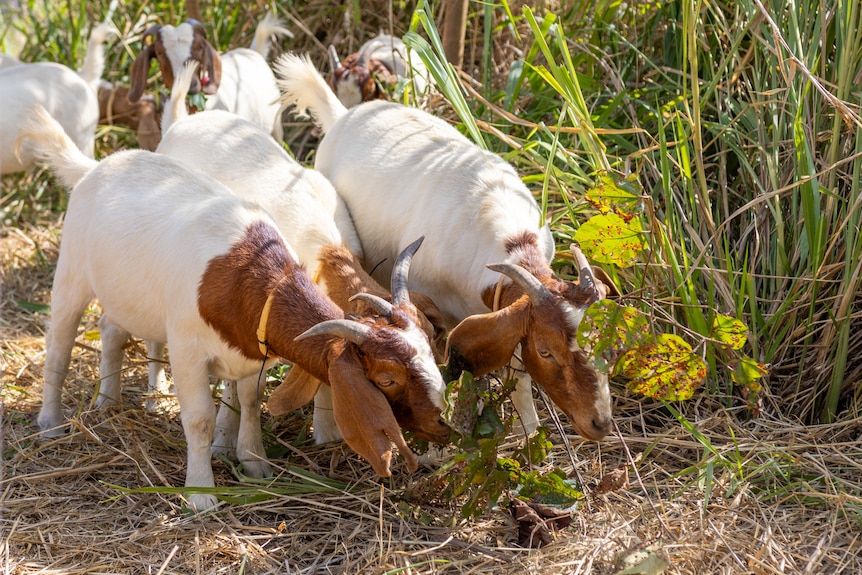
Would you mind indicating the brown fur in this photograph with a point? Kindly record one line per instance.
(144, 116)
(486, 342)
(201, 51)
(370, 78)
(364, 378)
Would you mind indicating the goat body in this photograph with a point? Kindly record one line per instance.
(315, 222)
(373, 70)
(126, 217)
(238, 81)
(69, 96)
(404, 173)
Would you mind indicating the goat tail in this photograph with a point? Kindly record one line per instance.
(267, 28)
(94, 60)
(50, 144)
(175, 108)
(302, 86)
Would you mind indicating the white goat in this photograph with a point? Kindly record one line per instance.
(378, 66)
(405, 173)
(174, 256)
(238, 81)
(69, 96)
(306, 208)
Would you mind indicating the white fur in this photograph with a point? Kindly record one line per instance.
(405, 173)
(138, 235)
(301, 201)
(69, 96)
(247, 86)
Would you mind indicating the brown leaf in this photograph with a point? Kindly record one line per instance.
(536, 522)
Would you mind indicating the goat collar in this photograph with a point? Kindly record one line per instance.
(262, 343)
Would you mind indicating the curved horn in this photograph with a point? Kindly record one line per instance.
(585, 272)
(525, 280)
(378, 303)
(366, 51)
(151, 31)
(399, 273)
(334, 62)
(352, 331)
(197, 26)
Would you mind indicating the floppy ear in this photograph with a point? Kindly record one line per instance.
(484, 342)
(213, 66)
(295, 390)
(140, 71)
(364, 417)
(602, 276)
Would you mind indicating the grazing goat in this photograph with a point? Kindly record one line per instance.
(143, 116)
(405, 173)
(173, 256)
(69, 96)
(238, 81)
(313, 220)
(374, 71)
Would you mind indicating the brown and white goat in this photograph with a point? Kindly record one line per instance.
(229, 302)
(374, 70)
(315, 222)
(405, 173)
(238, 81)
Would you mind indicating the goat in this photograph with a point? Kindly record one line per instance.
(231, 301)
(374, 71)
(143, 116)
(69, 96)
(310, 215)
(238, 81)
(479, 220)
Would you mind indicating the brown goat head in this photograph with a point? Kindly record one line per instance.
(359, 77)
(172, 47)
(541, 314)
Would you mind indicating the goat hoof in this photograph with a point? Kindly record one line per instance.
(257, 469)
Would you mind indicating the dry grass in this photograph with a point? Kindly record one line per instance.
(776, 498)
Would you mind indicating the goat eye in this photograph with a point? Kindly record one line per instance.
(544, 353)
(384, 382)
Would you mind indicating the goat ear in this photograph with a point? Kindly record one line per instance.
(139, 73)
(364, 417)
(297, 389)
(611, 288)
(213, 67)
(149, 131)
(484, 342)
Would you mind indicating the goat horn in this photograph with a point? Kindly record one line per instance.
(197, 26)
(366, 52)
(334, 62)
(151, 31)
(531, 285)
(352, 331)
(585, 272)
(399, 273)
(378, 303)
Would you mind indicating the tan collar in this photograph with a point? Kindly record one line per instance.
(264, 315)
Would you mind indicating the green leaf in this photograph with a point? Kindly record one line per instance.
(551, 488)
(34, 307)
(664, 368)
(730, 331)
(609, 329)
(748, 373)
(610, 239)
(619, 197)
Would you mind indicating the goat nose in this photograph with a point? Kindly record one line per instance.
(601, 425)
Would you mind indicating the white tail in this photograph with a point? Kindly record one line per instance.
(270, 26)
(94, 60)
(175, 108)
(302, 86)
(51, 144)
